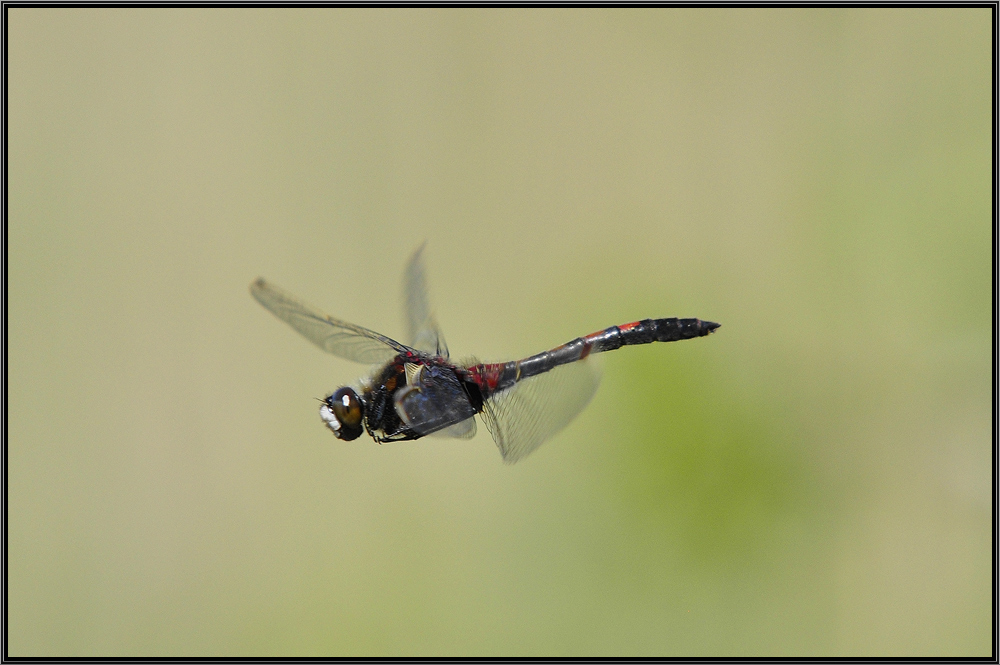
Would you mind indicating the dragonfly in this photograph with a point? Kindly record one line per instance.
(416, 389)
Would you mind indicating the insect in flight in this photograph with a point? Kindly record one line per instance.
(417, 389)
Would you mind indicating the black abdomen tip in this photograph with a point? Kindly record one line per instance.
(671, 330)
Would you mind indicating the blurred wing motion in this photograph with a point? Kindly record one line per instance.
(340, 338)
(463, 430)
(524, 416)
(424, 332)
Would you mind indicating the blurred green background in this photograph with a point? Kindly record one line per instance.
(814, 479)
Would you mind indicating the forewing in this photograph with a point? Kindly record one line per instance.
(340, 338)
(524, 416)
(423, 329)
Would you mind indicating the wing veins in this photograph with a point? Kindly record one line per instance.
(343, 339)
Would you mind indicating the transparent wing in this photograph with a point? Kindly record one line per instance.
(340, 338)
(524, 416)
(463, 430)
(424, 332)
(433, 401)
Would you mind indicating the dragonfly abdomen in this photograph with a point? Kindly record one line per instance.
(499, 376)
(663, 330)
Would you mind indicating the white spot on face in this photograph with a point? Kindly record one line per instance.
(331, 420)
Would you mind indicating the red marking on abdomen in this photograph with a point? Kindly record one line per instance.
(587, 346)
(628, 326)
(486, 376)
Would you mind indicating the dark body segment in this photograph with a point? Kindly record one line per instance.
(381, 419)
(440, 396)
(491, 378)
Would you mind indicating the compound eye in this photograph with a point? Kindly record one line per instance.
(347, 407)
(347, 411)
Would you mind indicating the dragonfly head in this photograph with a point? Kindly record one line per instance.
(343, 412)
